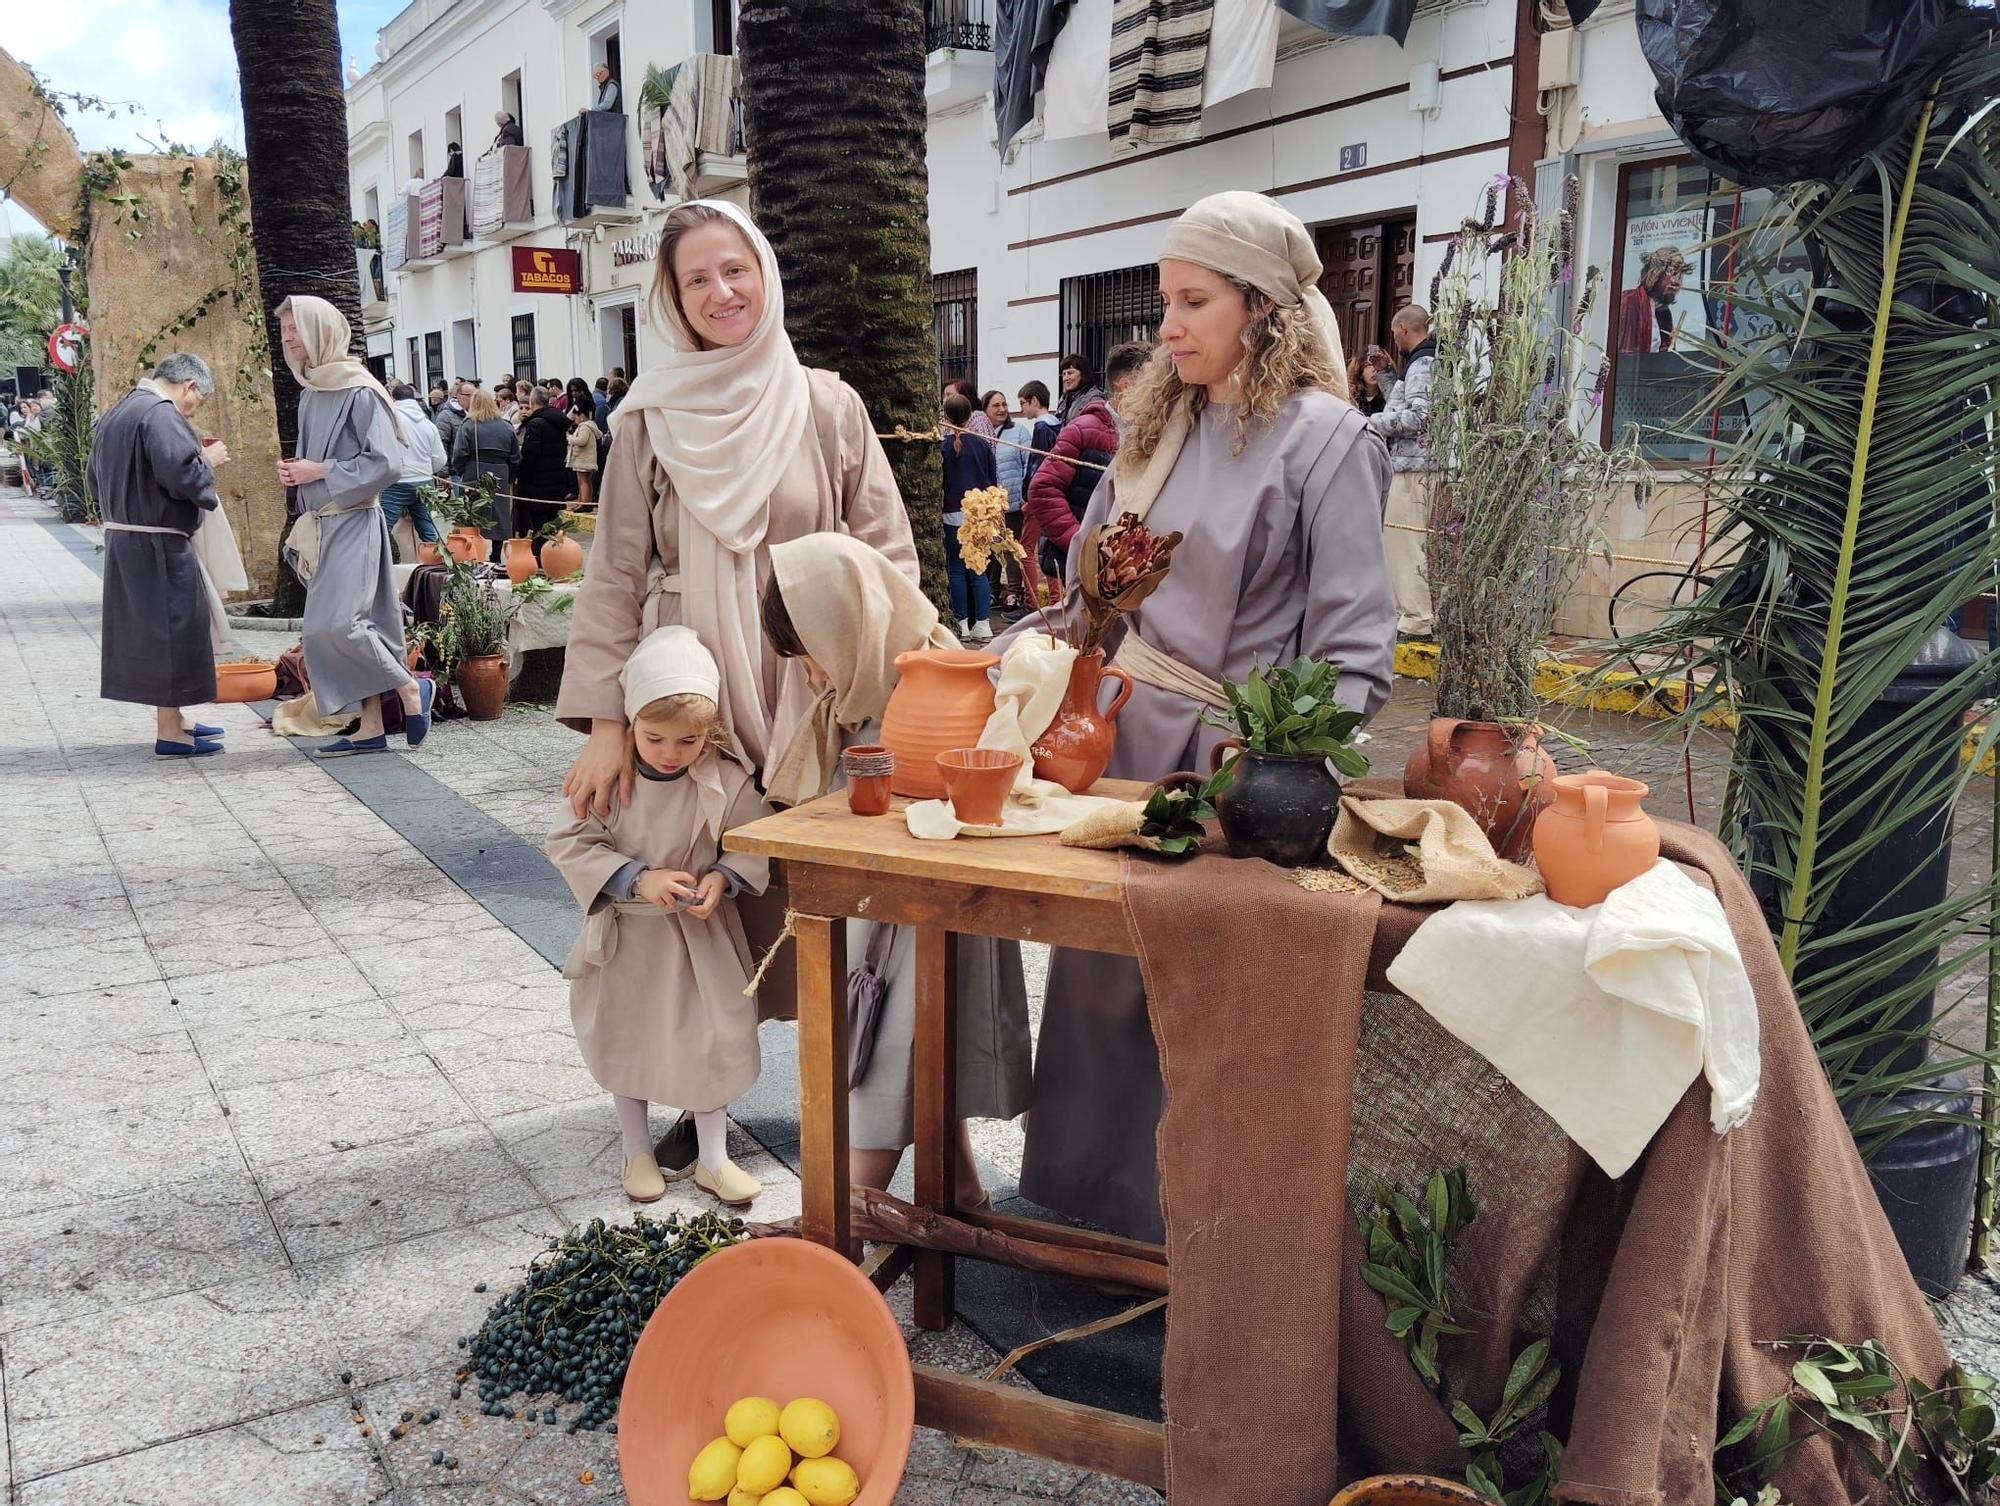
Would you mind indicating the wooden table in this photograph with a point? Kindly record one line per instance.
(838, 866)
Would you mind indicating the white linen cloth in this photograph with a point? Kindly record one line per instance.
(1602, 1017)
(1034, 674)
(1242, 50)
(1076, 91)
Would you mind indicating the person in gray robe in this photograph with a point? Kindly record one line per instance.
(1282, 556)
(154, 479)
(349, 448)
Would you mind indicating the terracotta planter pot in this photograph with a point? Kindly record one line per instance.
(429, 553)
(562, 557)
(483, 683)
(1279, 806)
(941, 701)
(774, 1317)
(519, 557)
(1076, 748)
(1594, 837)
(1406, 1490)
(1499, 773)
(465, 545)
(976, 781)
(245, 682)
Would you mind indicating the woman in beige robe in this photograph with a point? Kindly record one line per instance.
(844, 612)
(728, 448)
(657, 977)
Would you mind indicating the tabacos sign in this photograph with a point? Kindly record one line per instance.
(545, 269)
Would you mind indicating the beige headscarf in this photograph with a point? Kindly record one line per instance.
(1251, 237)
(672, 661)
(724, 424)
(854, 612)
(330, 364)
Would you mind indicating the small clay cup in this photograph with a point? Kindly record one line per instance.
(869, 768)
(976, 781)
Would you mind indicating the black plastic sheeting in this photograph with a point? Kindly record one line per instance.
(1776, 91)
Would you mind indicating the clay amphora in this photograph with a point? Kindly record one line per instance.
(976, 781)
(1499, 773)
(941, 701)
(1076, 747)
(482, 681)
(562, 557)
(519, 557)
(1594, 838)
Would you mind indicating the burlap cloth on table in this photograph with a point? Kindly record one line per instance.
(1286, 1100)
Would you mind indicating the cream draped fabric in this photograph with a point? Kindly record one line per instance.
(854, 612)
(1251, 237)
(330, 364)
(724, 424)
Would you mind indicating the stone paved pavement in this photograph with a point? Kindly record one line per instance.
(277, 1094)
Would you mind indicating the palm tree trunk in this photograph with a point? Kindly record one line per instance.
(834, 120)
(295, 142)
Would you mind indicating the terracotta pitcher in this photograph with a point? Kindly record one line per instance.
(1499, 773)
(941, 701)
(1594, 838)
(519, 555)
(465, 545)
(1077, 746)
(562, 557)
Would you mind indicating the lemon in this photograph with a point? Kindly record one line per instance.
(826, 1482)
(784, 1495)
(713, 1473)
(741, 1497)
(765, 1464)
(751, 1418)
(810, 1427)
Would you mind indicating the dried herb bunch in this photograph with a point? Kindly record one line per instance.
(985, 533)
(1517, 480)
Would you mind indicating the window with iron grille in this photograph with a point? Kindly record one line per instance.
(1107, 309)
(524, 346)
(955, 317)
(434, 358)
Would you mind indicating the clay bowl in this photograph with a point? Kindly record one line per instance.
(1407, 1490)
(976, 781)
(246, 682)
(782, 1318)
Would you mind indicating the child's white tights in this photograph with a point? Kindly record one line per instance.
(711, 1131)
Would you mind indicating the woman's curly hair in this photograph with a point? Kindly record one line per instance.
(1283, 352)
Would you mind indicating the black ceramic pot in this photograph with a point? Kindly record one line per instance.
(1279, 806)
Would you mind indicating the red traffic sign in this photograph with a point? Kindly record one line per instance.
(66, 348)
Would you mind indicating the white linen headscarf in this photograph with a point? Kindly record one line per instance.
(672, 661)
(724, 424)
(330, 364)
(1253, 238)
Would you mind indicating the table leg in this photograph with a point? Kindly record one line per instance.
(822, 947)
(934, 1069)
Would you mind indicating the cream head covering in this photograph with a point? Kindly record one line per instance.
(671, 661)
(668, 661)
(724, 424)
(1252, 238)
(330, 364)
(854, 612)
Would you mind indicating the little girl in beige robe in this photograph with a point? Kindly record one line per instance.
(657, 977)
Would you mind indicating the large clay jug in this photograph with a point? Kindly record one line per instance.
(519, 556)
(465, 545)
(562, 557)
(941, 701)
(1498, 773)
(1279, 806)
(1076, 747)
(1594, 838)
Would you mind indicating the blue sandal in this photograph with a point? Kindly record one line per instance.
(201, 747)
(417, 724)
(347, 747)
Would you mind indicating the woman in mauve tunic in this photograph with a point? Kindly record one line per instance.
(1270, 472)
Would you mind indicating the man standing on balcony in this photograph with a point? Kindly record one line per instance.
(510, 130)
(606, 95)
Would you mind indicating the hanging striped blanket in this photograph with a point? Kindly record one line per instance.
(487, 195)
(396, 234)
(430, 218)
(1159, 56)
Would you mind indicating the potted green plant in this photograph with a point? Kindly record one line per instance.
(470, 642)
(1516, 485)
(468, 507)
(1293, 741)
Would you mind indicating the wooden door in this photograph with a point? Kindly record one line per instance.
(1370, 271)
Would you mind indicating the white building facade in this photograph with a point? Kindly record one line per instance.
(1382, 149)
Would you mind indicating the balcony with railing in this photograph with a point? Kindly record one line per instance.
(591, 182)
(691, 129)
(958, 38)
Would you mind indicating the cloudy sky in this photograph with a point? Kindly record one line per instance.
(171, 57)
